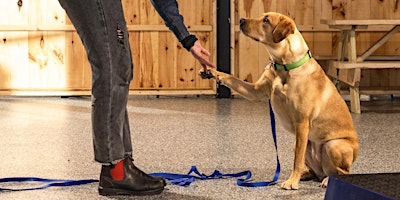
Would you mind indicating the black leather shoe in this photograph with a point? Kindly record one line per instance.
(135, 182)
(157, 178)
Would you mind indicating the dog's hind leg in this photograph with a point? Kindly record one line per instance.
(337, 157)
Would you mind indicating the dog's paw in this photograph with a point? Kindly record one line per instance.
(290, 185)
(324, 183)
(206, 74)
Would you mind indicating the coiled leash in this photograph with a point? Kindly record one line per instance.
(176, 179)
(193, 174)
(50, 183)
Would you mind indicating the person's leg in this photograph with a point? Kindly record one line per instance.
(102, 29)
(101, 26)
(127, 136)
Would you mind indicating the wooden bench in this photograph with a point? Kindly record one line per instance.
(349, 71)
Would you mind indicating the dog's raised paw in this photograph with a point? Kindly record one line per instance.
(206, 74)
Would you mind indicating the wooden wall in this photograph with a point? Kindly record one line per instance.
(160, 60)
(321, 40)
(41, 52)
(36, 59)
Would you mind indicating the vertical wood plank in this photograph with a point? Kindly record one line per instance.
(55, 44)
(77, 67)
(167, 62)
(323, 42)
(360, 9)
(248, 66)
(394, 75)
(282, 7)
(148, 15)
(5, 43)
(378, 77)
(146, 62)
(302, 12)
(203, 16)
(134, 40)
(263, 54)
(185, 69)
(131, 11)
(341, 9)
(187, 9)
(15, 45)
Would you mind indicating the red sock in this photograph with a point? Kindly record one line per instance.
(118, 171)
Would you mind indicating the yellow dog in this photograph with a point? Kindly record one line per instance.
(304, 100)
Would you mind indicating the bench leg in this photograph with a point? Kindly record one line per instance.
(355, 74)
(355, 100)
(338, 85)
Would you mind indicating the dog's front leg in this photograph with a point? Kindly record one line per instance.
(302, 130)
(259, 91)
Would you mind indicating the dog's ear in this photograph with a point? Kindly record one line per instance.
(284, 28)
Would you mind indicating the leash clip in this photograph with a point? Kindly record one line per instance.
(268, 66)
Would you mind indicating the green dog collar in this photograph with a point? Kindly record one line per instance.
(294, 65)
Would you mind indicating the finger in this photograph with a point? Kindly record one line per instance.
(205, 52)
(207, 63)
(204, 67)
(212, 65)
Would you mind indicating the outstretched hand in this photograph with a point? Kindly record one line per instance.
(199, 52)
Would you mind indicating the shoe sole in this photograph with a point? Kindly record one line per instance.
(115, 192)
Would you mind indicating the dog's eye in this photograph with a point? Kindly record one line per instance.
(266, 21)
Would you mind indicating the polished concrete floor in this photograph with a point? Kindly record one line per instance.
(50, 137)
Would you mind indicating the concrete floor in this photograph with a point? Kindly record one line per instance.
(50, 137)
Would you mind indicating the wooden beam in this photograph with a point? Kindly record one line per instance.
(66, 28)
(324, 28)
(360, 22)
(367, 65)
(379, 43)
(37, 28)
(87, 92)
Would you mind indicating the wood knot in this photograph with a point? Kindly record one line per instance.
(20, 4)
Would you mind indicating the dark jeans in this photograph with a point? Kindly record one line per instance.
(102, 28)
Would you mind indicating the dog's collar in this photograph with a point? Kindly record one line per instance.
(294, 65)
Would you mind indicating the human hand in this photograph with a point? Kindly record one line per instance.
(199, 52)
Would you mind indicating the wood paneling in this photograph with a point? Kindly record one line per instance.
(42, 52)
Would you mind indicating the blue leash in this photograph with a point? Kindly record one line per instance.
(176, 179)
(50, 183)
(193, 174)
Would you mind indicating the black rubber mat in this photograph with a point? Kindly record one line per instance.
(387, 184)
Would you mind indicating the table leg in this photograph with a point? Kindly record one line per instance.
(342, 45)
(356, 76)
(340, 55)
